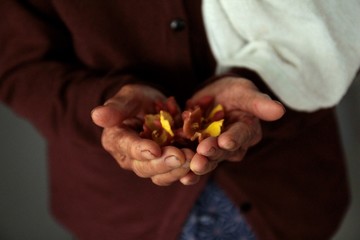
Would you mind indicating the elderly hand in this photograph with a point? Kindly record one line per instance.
(120, 117)
(245, 106)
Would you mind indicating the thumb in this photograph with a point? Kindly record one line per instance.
(266, 109)
(114, 112)
(106, 116)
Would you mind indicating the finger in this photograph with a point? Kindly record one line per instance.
(123, 141)
(105, 116)
(201, 165)
(172, 158)
(263, 107)
(203, 102)
(189, 154)
(167, 179)
(240, 134)
(210, 149)
(114, 112)
(242, 94)
(190, 179)
(136, 147)
(175, 174)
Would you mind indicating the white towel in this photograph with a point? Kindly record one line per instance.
(308, 52)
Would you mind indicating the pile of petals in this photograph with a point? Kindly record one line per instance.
(171, 127)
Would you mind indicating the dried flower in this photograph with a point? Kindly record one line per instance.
(198, 126)
(159, 127)
(197, 123)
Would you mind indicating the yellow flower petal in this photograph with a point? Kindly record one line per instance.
(216, 109)
(165, 120)
(214, 128)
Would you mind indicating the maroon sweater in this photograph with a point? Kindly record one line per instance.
(61, 58)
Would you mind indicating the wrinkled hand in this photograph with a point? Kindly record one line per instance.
(120, 117)
(245, 106)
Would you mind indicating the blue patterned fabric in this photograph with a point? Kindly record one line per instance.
(214, 216)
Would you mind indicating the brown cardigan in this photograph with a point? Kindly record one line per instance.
(61, 58)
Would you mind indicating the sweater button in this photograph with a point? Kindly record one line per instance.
(245, 207)
(177, 25)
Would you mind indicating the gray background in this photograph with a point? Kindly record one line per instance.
(23, 177)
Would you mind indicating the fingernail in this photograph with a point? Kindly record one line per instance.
(279, 103)
(172, 161)
(282, 105)
(147, 154)
(266, 96)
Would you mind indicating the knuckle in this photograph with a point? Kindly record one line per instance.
(178, 173)
(254, 136)
(123, 161)
(112, 139)
(141, 169)
(106, 142)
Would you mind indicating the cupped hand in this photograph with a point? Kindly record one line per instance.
(121, 118)
(244, 107)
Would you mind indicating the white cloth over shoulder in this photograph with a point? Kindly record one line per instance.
(308, 52)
